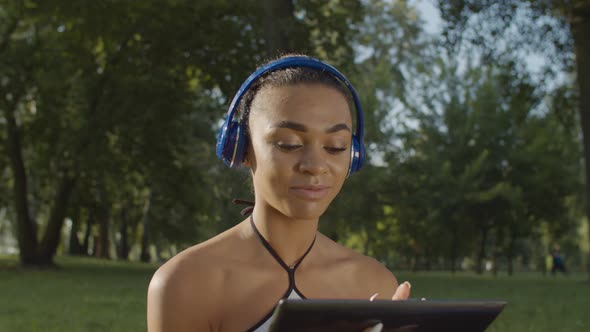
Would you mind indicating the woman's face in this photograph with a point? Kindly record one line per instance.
(299, 151)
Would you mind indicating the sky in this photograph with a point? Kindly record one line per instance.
(430, 15)
(433, 25)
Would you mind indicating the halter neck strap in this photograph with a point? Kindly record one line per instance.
(275, 254)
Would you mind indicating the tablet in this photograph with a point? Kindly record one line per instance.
(408, 315)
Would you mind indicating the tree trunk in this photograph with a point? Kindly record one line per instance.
(409, 259)
(31, 252)
(103, 243)
(510, 258)
(123, 247)
(95, 245)
(495, 262)
(145, 252)
(11, 28)
(511, 253)
(281, 28)
(454, 250)
(75, 247)
(88, 231)
(427, 259)
(368, 240)
(482, 250)
(580, 27)
(26, 228)
(52, 234)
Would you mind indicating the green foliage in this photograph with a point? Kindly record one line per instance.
(379, 76)
(122, 97)
(126, 97)
(511, 27)
(555, 30)
(487, 163)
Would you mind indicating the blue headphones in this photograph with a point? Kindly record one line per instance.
(232, 142)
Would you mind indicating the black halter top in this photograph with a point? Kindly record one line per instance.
(292, 291)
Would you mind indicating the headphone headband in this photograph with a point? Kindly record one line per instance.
(229, 154)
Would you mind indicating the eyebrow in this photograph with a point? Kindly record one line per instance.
(302, 128)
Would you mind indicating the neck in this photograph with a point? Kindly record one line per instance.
(290, 238)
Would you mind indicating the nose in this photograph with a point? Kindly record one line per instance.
(313, 161)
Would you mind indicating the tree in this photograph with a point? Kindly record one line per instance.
(474, 165)
(560, 27)
(112, 103)
(92, 91)
(388, 42)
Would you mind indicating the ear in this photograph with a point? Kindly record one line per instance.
(249, 160)
(246, 161)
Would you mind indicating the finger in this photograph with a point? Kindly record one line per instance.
(376, 328)
(402, 292)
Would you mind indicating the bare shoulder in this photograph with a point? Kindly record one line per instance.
(368, 273)
(181, 294)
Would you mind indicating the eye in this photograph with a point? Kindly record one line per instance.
(335, 150)
(288, 147)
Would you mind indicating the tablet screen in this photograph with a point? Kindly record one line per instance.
(409, 315)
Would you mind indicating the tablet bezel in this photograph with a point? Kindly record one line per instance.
(415, 315)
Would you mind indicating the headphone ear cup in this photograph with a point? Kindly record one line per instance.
(222, 142)
(357, 155)
(231, 143)
(241, 147)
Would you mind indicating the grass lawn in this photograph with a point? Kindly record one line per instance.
(535, 302)
(82, 295)
(95, 295)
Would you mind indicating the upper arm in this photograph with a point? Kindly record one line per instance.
(176, 302)
(382, 280)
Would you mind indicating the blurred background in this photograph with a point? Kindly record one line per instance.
(477, 130)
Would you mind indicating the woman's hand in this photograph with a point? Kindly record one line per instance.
(402, 292)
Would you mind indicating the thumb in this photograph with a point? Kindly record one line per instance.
(402, 292)
(376, 328)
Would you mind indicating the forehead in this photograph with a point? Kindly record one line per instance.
(314, 105)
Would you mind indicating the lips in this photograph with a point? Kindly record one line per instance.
(311, 192)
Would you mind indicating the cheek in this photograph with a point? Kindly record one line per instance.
(268, 159)
(341, 163)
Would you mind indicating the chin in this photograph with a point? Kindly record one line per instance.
(305, 211)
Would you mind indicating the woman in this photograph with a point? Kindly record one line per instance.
(291, 125)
